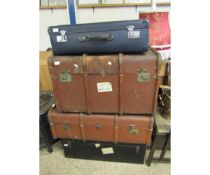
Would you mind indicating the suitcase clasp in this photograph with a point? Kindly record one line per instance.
(131, 33)
(132, 130)
(143, 76)
(65, 76)
(62, 37)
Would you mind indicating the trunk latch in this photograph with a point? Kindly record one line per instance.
(143, 76)
(65, 76)
(133, 130)
(62, 37)
(133, 34)
(98, 126)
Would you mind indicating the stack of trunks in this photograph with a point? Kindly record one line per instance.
(105, 85)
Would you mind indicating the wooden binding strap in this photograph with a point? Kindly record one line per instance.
(82, 126)
(85, 74)
(55, 81)
(157, 83)
(150, 129)
(120, 85)
(49, 115)
(116, 126)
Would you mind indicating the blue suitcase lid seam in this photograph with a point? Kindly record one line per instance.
(100, 27)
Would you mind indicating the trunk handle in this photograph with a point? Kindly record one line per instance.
(96, 37)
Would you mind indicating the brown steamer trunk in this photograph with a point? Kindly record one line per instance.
(95, 127)
(120, 83)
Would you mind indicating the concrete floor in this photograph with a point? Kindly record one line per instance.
(56, 164)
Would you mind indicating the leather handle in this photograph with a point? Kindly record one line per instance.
(96, 37)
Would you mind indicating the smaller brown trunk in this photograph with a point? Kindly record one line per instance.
(109, 128)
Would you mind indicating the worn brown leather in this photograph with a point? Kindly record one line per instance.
(128, 96)
(101, 127)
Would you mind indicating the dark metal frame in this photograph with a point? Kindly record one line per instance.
(163, 151)
(46, 139)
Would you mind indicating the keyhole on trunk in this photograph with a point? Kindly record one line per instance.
(98, 126)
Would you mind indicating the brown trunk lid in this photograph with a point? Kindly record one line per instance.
(133, 63)
(102, 64)
(73, 64)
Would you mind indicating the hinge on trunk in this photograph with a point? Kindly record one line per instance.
(62, 37)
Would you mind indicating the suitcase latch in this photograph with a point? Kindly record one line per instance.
(65, 76)
(131, 33)
(143, 76)
(132, 130)
(62, 37)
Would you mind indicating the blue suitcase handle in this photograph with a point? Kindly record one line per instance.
(101, 37)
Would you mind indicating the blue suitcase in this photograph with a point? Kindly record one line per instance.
(108, 37)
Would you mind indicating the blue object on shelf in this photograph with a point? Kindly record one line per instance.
(71, 9)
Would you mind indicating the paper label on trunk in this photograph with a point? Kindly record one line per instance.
(61, 38)
(97, 145)
(104, 87)
(133, 34)
(108, 150)
(57, 63)
(55, 30)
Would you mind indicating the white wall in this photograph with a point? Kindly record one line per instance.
(106, 14)
(60, 16)
(113, 14)
(50, 18)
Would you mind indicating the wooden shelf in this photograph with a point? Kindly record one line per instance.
(53, 7)
(163, 3)
(113, 5)
(165, 86)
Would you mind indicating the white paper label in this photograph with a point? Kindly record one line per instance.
(104, 87)
(97, 145)
(57, 63)
(65, 144)
(76, 65)
(55, 29)
(61, 38)
(109, 63)
(108, 150)
(133, 34)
